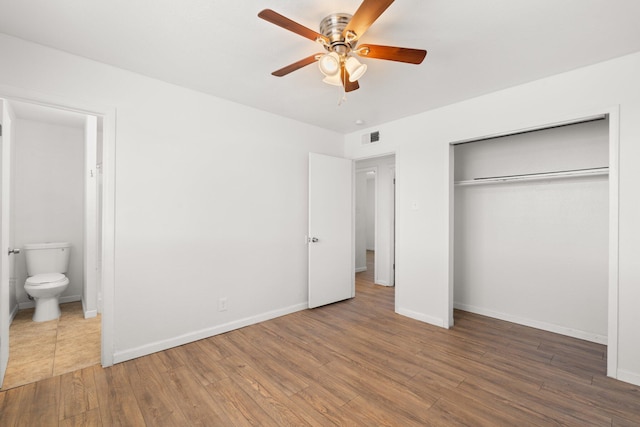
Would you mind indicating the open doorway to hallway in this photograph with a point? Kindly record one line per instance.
(375, 220)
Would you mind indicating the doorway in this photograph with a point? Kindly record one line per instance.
(54, 194)
(375, 219)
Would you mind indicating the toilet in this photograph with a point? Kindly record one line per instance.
(46, 265)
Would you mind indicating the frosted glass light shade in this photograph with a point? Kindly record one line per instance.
(355, 68)
(330, 64)
(333, 80)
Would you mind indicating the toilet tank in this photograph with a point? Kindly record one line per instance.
(47, 257)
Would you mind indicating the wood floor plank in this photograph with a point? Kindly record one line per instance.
(530, 405)
(44, 406)
(118, 404)
(243, 351)
(200, 363)
(325, 407)
(197, 405)
(12, 406)
(78, 394)
(154, 395)
(236, 406)
(86, 419)
(382, 392)
(264, 390)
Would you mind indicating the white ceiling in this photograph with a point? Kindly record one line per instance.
(224, 49)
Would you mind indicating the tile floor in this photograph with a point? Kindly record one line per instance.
(39, 350)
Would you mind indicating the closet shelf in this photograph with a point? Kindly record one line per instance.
(536, 176)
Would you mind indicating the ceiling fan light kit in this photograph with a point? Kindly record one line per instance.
(330, 64)
(355, 68)
(339, 35)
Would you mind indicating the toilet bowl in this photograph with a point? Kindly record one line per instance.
(46, 265)
(45, 290)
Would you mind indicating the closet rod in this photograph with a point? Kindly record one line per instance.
(536, 176)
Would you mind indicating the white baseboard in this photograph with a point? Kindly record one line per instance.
(30, 304)
(575, 333)
(121, 356)
(421, 317)
(13, 313)
(382, 283)
(88, 313)
(360, 269)
(628, 377)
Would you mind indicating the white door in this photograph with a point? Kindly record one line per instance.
(331, 255)
(5, 162)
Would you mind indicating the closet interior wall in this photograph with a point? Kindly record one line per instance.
(535, 251)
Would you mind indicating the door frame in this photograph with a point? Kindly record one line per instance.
(6, 267)
(108, 113)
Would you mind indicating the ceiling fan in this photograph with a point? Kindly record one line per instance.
(339, 35)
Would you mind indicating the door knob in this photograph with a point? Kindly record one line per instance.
(314, 239)
(14, 251)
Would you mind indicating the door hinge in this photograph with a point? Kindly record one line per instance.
(394, 181)
(0, 129)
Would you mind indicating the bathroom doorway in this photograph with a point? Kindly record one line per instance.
(55, 193)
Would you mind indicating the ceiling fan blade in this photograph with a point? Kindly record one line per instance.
(296, 65)
(367, 13)
(348, 86)
(286, 23)
(392, 53)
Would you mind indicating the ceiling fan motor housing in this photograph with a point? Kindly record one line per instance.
(332, 27)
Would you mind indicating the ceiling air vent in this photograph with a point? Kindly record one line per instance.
(370, 138)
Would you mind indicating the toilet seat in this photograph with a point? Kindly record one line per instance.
(47, 280)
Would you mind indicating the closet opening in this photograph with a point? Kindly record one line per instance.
(534, 214)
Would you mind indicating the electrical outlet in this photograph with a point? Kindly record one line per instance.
(222, 304)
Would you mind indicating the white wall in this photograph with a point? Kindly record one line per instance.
(48, 196)
(535, 252)
(424, 191)
(370, 219)
(211, 200)
(361, 221)
(382, 212)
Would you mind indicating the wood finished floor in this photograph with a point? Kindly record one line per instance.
(351, 363)
(40, 350)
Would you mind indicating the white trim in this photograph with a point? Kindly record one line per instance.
(382, 282)
(628, 377)
(88, 313)
(450, 242)
(421, 317)
(204, 333)
(353, 228)
(13, 314)
(108, 197)
(360, 269)
(90, 262)
(614, 236)
(549, 327)
(392, 225)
